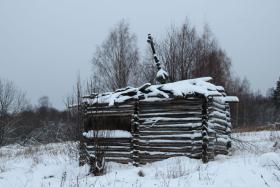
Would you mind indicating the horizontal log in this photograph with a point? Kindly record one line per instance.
(112, 149)
(167, 133)
(222, 152)
(116, 104)
(117, 154)
(196, 156)
(220, 146)
(150, 158)
(160, 128)
(219, 101)
(218, 123)
(145, 160)
(224, 137)
(217, 126)
(171, 122)
(217, 116)
(100, 112)
(213, 108)
(118, 114)
(186, 149)
(217, 105)
(171, 102)
(218, 131)
(110, 108)
(171, 115)
(113, 107)
(114, 155)
(193, 141)
(168, 109)
(157, 155)
(168, 120)
(165, 136)
(218, 120)
(118, 160)
(104, 143)
(184, 101)
(108, 139)
(145, 138)
(169, 144)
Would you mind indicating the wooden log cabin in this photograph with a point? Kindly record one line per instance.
(154, 122)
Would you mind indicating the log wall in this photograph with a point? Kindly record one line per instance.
(116, 149)
(220, 125)
(169, 128)
(195, 127)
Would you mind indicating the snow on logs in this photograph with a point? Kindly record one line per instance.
(186, 118)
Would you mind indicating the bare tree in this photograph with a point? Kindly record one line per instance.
(73, 105)
(178, 51)
(212, 60)
(115, 59)
(12, 102)
(185, 54)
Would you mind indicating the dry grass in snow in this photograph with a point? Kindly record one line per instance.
(254, 161)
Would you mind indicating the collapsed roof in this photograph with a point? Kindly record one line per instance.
(148, 92)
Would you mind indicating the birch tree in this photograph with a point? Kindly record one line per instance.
(117, 57)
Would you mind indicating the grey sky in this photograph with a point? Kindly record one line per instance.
(45, 43)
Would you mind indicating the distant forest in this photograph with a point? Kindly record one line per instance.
(117, 63)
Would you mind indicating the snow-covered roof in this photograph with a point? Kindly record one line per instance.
(150, 92)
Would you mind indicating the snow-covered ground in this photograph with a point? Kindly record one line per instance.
(255, 161)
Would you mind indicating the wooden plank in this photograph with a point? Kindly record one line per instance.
(118, 160)
(170, 144)
(168, 109)
(218, 121)
(170, 102)
(119, 140)
(118, 114)
(217, 105)
(165, 149)
(216, 116)
(107, 107)
(95, 112)
(171, 115)
(213, 108)
(159, 128)
(169, 138)
(113, 149)
(117, 154)
(176, 136)
(166, 133)
(104, 143)
(168, 120)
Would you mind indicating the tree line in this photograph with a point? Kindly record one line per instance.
(22, 123)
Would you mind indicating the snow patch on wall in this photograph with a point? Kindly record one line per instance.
(107, 134)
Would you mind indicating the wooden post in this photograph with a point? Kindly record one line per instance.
(162, 75)
(135, 133)
(204, 131)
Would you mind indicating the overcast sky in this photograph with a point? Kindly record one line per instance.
(45, 43)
